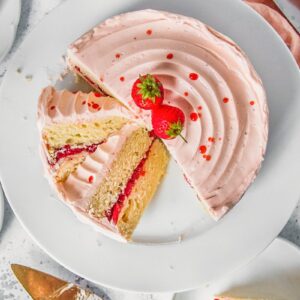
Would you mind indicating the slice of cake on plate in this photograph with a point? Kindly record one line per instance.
(206, 75)
(104, 163)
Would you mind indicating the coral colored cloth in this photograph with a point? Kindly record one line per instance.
(269, 10)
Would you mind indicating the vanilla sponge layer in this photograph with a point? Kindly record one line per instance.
(143, 190)
(133, 151)
(58, 135)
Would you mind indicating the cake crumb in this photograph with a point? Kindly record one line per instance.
(28, 77)
(19, 70)
(179, 239)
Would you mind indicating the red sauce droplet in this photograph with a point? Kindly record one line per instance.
(199, 107)
(89, 104)
(208, 157)
(194, 76)
(97, 94)
(83, 102)
(211, 139)
(202, 149)
(225, 100)
(122, 78)
(149, 31)
(52, 107)
(95, 106)
(118, 55)
(91, 179)
(199, 115)
(186, 94)
(252, 102)
(77, 68)
(170, 56)
(194, 116)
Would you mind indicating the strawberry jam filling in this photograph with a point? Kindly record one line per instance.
(113, 213)
(67, 150)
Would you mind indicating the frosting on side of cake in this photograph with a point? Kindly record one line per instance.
(205, 74)
(59, 107)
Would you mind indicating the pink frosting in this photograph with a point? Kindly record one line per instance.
(234, 133)
(67, 107)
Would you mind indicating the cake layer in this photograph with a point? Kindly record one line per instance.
(57, 136)
(143, 189)
(205, 74)
(132, 152)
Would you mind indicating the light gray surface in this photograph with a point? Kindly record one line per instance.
(15, 244)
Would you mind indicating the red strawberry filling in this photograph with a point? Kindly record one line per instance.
(67, 150)
(113, 213)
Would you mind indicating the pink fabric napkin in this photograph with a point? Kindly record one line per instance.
(269, 10)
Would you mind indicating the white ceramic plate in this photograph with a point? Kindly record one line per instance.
(274, 274)
(9, 19)
(157, 262)
(1, 207)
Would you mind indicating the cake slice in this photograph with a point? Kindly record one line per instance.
(206, 75)
(104, 164)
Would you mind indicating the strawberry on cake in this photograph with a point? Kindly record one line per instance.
(102, 161)
(208, 82)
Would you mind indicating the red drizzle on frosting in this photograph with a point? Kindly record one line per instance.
(149, 31)
(170, 56)
(186, 94)
(252, 102)
(52, 107)
(118, 55)
(194, 76)
(83, 102)
(225, 100)
(96, 106)
(97, 94)
(91, 179)
(211, 139)
(193, 116)
(202, 149)
(122, 78)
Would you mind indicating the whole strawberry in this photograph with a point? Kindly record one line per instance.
(147, 92)
(168, 122)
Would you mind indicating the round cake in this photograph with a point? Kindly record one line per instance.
(206, 75)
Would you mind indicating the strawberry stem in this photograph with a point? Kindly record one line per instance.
(149, 87)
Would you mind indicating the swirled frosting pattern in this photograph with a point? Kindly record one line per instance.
(66, 107)
(205, 74)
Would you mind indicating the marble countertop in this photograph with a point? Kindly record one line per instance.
(16, 246)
